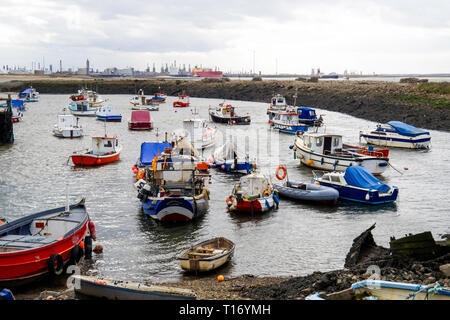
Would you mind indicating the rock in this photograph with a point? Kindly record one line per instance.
(98, 249)
(445, 269)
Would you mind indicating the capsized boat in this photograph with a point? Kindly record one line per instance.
(303, 191)
(174, 188)
(82, 108)
(227, 114)
(230, 159)
(277, 104)
(104, 150)
(67, 127)
(207, 255)
(388, 290)
(30, 95)
(253, 194)
(325, 152)
(397, 134)
(183, 101)
(140, 120)
(141, 102)
(127, 290)
(288, 122)
(108, 113)
(357, 184)
(198, 132)
(43, 243)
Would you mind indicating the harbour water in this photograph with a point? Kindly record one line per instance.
(296, 239)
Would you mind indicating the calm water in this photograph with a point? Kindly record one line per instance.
(294, 240)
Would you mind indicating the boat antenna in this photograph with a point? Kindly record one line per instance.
(67, 198)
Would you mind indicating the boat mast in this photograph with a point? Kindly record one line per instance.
(67, 198)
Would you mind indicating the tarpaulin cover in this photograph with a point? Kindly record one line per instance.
(406, 129)
(149, 150)
(17, 103)
(357, 176)
(140, 116)
(306, 113)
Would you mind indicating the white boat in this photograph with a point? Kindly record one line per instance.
(141, 102)
(231, 159)
(67, 127)
(108, 113)
(277, 104)
(397, 134)
(82, 108)
(197, 132)
(30, 95)
(288, 122)
(388, 290)
(94, 99)
(325, 152)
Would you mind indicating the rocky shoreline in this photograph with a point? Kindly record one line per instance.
(425, 105)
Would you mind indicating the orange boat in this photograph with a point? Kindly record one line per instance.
(104, 150)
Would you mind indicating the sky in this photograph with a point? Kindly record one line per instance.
(272, 37)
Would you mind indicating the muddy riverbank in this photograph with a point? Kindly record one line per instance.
(425, 105)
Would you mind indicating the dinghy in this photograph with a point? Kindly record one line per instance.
(104, 150)
(207, 255)
(42, 243)
(357, 184)
(126, 290)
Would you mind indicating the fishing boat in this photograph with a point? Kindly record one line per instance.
(288, 122)
(158, 98)
(108, 113)
(82, 108)
(149, 150)
(325, 152)
(357, 184)
(67, 127)
(110, 289)
(140, 120)
(174, 188)
(311, 192)
(277, 104)
(30, 95)
(388, 290)
(183, 101)
(253, 194)
(309, 117)
(230, 159)
(43, 243)
(397, 134)
(92, 97)
(198, 132)
(227, 114)
(16, 115)
(141, 102)
(370, 150)
(207, 255)
(104, 150)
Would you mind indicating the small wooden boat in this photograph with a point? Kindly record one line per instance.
(67, 127)
(104, 150)
(183, 101)
(108, 113)
(227, 114)
(42, 243)
(126, 290)
(387, 290)
(207, 255)
(420, 246)
(140, 120)
(357, 184)
(397, 134)
(253, 194)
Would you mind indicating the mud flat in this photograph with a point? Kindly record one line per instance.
(425, 105)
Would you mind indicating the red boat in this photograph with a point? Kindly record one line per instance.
(183, 101)
(43, 243)
(206, 73)
(140, 120)
(104, 150)
(370, 151)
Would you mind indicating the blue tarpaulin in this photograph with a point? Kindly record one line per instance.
(17, 103)
(149, 150)
(357, 176)
(305, 113)
(406, 129)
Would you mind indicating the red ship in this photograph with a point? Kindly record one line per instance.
(206, 73)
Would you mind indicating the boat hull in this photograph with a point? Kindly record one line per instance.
(256, 206)
(230, 167)
(313, 192)
(140, 125)
(289, 128)
(74, 133)
(234, 120)
(94, 160)
(173, 209)
(181, 104)
(397, 141)
(110, 118)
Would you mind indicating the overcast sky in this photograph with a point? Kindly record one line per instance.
(381, 36)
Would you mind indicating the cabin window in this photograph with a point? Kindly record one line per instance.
(336, 142)
(335, 179)
(280, 100)
(117, 143)
(312, 114)
(108, 144)
(319, 141)
(308, 142)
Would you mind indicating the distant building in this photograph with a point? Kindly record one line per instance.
(87, 66)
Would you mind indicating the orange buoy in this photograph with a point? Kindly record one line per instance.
(99, 161)
(277, 172)
(82, 244)
(220, 278)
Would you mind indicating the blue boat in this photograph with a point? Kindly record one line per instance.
(231, 160)
(288, 122)
(30, 95)
(17, 103)
(397, 134)
(173, 188)
(107, 113)
(357, 184)
(309, 117)
(82, 108)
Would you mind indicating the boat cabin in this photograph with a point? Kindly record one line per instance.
(287, 118)
(252, 185)
(81, 105)
(183, 98)
(278, 102)
(323, 143)
(306, 113)
(67, 121)
(104, 145)
(226, 110)
(107, 111)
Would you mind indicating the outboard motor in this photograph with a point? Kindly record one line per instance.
(144, 192)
